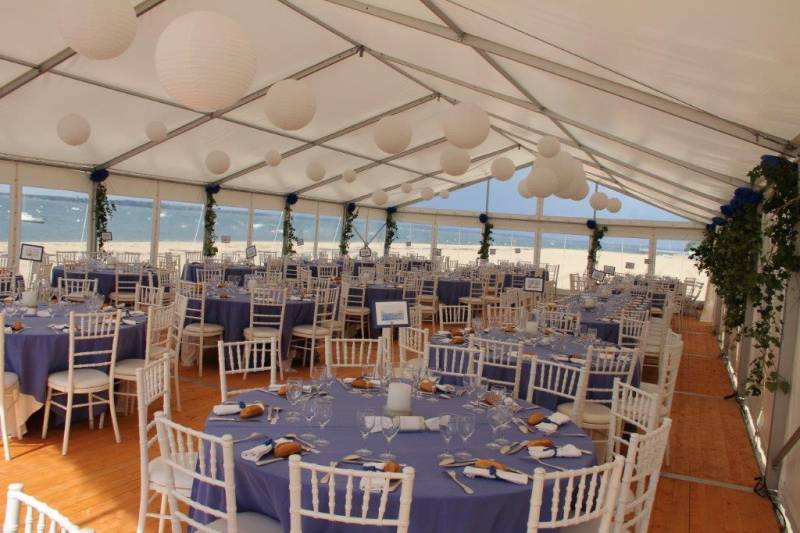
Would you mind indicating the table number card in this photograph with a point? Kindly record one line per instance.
(106, 236)
(492, 251)
(629, 265)
(250, 252)
(598, 275)
(225, 239)
(365, 252)
(517, 250)
(534, 284)
(300, 241)
(437, 252)
(408, 244)
(609, 269)
(31, 252)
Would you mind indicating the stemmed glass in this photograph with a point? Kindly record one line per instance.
(470, 382)
(329, 378)
(447, 428)
(496, 419)
(324, 413)
(366, 423)
(294, 390)
(466, 427)
(317, 374)
(309, 411)
(390, 426)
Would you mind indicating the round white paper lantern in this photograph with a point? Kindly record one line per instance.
(503, 168)
(349, 175)
(97, 29)
(273, 158)
(315, 171)
(563, 164)
(614, 205)
(523, 189)
(218, 162)
(380, 197)
(290, 104)
(73, 129)
(598, 201)
(205, 60)
(542, 181)
(549, 146)
(406, 188)
(156, 131)
(426, 193)
(466, 125)
(580, 188)
(444, 194)
(392, 134)
(455, 161)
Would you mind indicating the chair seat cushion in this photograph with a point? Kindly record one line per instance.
(652, 388)
(250, 523)
(10, 379)
(593, 413)
(123, 296)
(157, 352)
(157, 471)
(83, 378)
(261, 333)
(307, 330)
(205, 329)
(425, 308)
(357, 310)
(470, 300)
(126, 368)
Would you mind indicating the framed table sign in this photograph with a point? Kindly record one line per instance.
(609, 269)
(365, 252)
(391, 313)
(629, 265)
(250, 252)
(300, 241)
(106, 236)
(31, 252)
(534, 284)
(225, 239)
(598, 275)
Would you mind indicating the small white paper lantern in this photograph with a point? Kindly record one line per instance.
(580, 188)
(598, 201)
(542, 181)
(563, 164)
(393, 134)
(205, 60)
(523, 189)
(614, 205)
(380, 197)
(97, 29)
(455, 161)
(549, 146)
(290, 104)
(156, 131)
(73, 129)
(426, 193)
(466, 125)
(503, 168)
(218, 162)
(315, 171)
(349, 175)
(406, 188)
(444, 194)
(273, 158)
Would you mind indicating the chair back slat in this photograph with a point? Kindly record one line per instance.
(354, 353)
(36, 516)
(500, 357)
(246, 357)
(412, 342)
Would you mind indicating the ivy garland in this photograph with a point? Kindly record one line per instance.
(210, 221)
(598, 232)
(103, 208)
(347, 229)
(486, 236)
(289, 236)
(391, 230)
(732, 251)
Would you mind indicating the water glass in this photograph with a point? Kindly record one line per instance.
(496, 418)
(366, 420)
(309, 411)
(447, 428)
(324, 413)
(294, 391)
(591, 334)
(390, 426)
(466, 428)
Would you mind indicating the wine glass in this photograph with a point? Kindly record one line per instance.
(294, 390)
(390, 426)
(317, 374)
(495, 417)
(309, 411)
(324, 413)
(366, 423)
(447, 428)
(329, 378)
(470, 383)
(466, 427)
(505, 415)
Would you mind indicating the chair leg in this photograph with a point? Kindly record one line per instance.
(162, 512)
(280, 358)
(91, 412)
(312, 354)
(67, 424)
(47, 405)
(144, 493)
(175, 368)
(113, 414)
(200, 356)
(4, 431)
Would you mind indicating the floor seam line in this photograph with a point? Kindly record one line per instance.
(706, 481)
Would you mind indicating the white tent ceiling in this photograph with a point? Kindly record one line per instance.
(669, 102)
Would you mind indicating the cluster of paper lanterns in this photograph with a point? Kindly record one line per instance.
(556, 172)
(599, 201)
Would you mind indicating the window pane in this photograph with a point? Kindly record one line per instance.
(672, 259)
(231, 222)
(130, 225)
(568, 251)
(472, 198)
(418, 235)
(5, 213)
(180, 227)
(268, 230)
(304, 227)
(507, 242)
(54, 219)
(330, 230)
(376, 231)
(359, 235)
(558, 207)
(616, 251)
(459, 244)
(504, 197)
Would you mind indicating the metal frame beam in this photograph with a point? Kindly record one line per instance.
(650, 100)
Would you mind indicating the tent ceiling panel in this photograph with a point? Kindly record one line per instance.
(9, 71)
(290, 175)
(428, 160)
(268, 24)
(347, 92)
(669, 204)
(412, 9)
(30, 116)
(366, 183)
(184, 156)
(398, 197)
(30, 30)
(741, 66)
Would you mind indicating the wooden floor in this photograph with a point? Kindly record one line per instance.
(706, 488)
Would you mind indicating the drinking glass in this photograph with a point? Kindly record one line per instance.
(470, 382)
(317, 374)
(329, 379)
(324, 413)
(366, 423)
(466, 427)
(390, 426)
(505, 415)
(495, 418)
(294, 390)
(309, 411)
(447, 428)
(591, 334)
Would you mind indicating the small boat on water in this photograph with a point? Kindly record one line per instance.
(27, 217)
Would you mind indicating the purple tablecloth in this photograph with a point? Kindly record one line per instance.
(450, 290)
(106, 279)
(438, 505)
(190, 271)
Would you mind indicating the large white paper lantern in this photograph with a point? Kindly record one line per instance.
(542, 181)
(406, 188)
(579, 189)
(455, 161)
(523, 189)
(444, 194)
(315, 171)
(97, 29)
(73, 129)
(598, 201)
(466, 125)
(563, 164)
(549, 146)
(273, 158)
(218, 162)
(380, 197)
(614, 205)
(426, 193)
(503, 168)
(156, 131)
(349, 175)
(290, 104)
(392, 134)
(205, 60)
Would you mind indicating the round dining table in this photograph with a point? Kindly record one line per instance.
(240, 271)
(106, 278)
(438, 505)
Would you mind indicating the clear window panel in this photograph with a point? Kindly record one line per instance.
(634, 209)
(54, 219)
(330, 230)
(504, 197)
(376, 235)
(305, 228)
(568, 251)
(130, 225)
(619, 251)
(181, 227)
(472, 198)
(459, 244)
(512, 246)
(231, 224)
(268, 230)
(413, 239)
(558, 207)
(359, 236)
(672, 259)
(5, 214)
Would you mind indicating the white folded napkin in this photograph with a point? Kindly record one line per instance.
(410, 424)
(373, 382)
(7, 329)
(108, 308)
(511, 477)
(226, 409)
(256, 453)
(44, 313)
(373, 483)
(58, 326)
(137, 313)
(552, 423)
(442, 332)
(542, 452)
(129, 322)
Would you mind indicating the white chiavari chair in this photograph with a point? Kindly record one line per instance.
(632, 411)
(146, 296)
(9, 390)
(566, 381)
(632, 332)
(167, 279)
(498, 317)
(210, 275)
(356, 312)
(76, 290)
(427, 297)
(354, 353)
(412, 342)
(577, 283)
(85, 374)
(455, 316)
(127, 277)
(267, 313)
(8, 284)
(305, 338)
(499, 358)
(582, 500)
(560, 322)
(475, 298)
(208, 461)
(379, 485)
(667, 377)
(37, 516)
(312, 284)
(197, 333)
(326, 271)
(453, 361)
(241, 358)
(415, 317)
